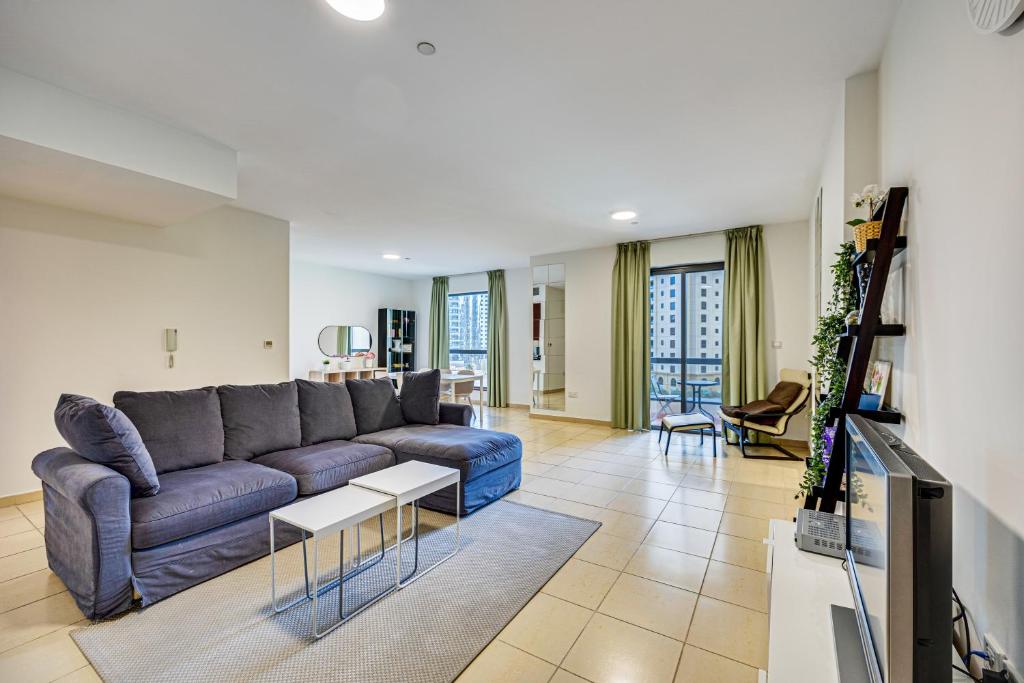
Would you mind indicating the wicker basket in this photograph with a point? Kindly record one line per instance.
(866, 231)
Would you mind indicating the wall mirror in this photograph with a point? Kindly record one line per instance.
(548, 343)
(344, 340)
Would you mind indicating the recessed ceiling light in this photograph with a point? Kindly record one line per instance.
(426, 48)
(391, 257)
(623, 215)
(360, 10)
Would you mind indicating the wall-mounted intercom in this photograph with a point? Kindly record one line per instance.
(170, 344)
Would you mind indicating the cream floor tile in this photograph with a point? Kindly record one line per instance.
(692, 481)
(731, 631)
(566, 474)
(530, 498)
(535, 468)
(547, 627)
(84, 675)
(745, 527)
(668, 566)
(38, 520)
(502, 663)
(758, 492)
(9, 512)
(661, 476)
(15, 525)
(31, 508)
(701, 666)
(689, 515)
(651, 489)
(36, 619)
(684, 539)
(29, 588)
(738, 585)
(651, 605)
(584, 464)
(741, 551)
(626, 525)
(582, 583)
(20, 542)
(760, 508)
(607, 481)
(591, 495)
(611, 651)
(571, 507)
(23, 563)
(548, 458)
(698, 498)
(641, 506)
(607, 550)
(44, 659)
(544, 487)
(563, 676)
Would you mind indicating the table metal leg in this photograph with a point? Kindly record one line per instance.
(273, 573)
(458, 540)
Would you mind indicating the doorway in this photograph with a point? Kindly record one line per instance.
(687, 318)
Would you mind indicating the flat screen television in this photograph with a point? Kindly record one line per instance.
(899, 556)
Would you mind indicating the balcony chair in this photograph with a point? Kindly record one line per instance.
(665, 400)
(770, 415)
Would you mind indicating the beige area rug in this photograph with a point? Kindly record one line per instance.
(225, 630)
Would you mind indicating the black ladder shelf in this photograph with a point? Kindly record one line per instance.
(855, 346)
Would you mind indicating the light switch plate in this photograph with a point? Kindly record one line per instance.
(268, 344)
(776, 344)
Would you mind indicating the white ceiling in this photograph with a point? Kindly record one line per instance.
(531, 123)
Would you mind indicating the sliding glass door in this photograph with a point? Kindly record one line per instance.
(686, 339)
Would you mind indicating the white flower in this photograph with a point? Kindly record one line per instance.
(856, 199)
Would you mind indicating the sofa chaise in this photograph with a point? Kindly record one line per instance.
(170, 488)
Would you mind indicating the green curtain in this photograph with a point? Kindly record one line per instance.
(497, 340)
(631, 357)
(743, 342)
(439, 324)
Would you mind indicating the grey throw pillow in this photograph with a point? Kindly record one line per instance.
(376, 405)
(421, 397)
(325, 411)
(106, 436)
(259, 418)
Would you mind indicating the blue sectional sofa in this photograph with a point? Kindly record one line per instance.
(225, 456)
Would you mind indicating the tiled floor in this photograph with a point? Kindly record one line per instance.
(671, 588)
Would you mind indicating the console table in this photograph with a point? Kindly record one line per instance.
(338, 375)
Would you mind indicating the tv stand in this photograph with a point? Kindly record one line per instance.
(805, 589)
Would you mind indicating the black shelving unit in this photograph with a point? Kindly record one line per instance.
(855, 346)
(396, 339)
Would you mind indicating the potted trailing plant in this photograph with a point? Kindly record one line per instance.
(326, 365)
(830, 370)
(872, 197)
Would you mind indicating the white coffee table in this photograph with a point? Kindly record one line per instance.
(324, 514)
(407, 483)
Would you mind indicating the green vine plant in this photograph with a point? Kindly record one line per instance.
(830, 370)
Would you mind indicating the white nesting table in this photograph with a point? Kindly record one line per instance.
(324, 514)
(405, 484)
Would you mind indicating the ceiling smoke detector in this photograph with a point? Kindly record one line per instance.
(426, 48)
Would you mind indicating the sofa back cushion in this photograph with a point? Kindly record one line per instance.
(106, 436)
(421, 397)
(181, 429)
(325, 412)
(259, 419)
(376, 405)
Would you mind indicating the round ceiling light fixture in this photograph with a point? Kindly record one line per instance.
(623, 215)
(426, 48)
(360, 10)
(391, 257)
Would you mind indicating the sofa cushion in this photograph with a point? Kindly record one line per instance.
(201, 498)
(106, 436)
(420, 398)
(473, 451)
(259, 418)
(376, 404)
(325, 466)
(325, 411)
(181, 429)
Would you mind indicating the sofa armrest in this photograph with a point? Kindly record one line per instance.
(88, 530)
(456, 414)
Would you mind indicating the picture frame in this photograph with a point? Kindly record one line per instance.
(877, 380)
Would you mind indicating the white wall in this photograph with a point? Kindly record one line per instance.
(951, 107)
(324, 295)
(520, 312)
(84, 301)
(588, 291)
